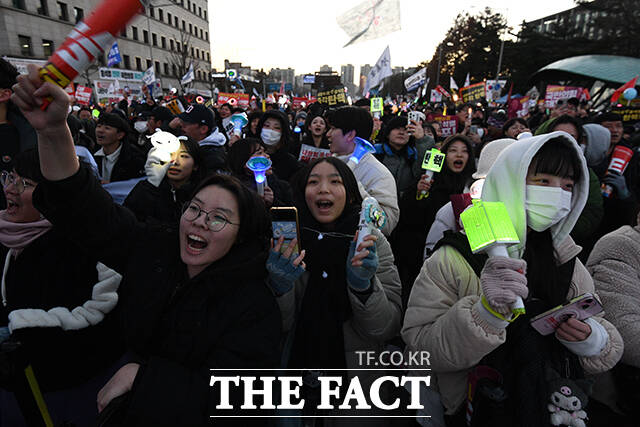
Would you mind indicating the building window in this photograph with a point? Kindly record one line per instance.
(171, 45)
(145, 36)
(188, 4)
(169, 19)
(178, 46)
(201, 33)
(208, 57)
(152, 12)
(19, 4)
(157, 69)
(78, 14)
(206, 35)
(175, 21)
(138, 64)
(26, 48)
(184, 25)
(166, 69)
(47, 47)
(192, 51)
(160, 15)
(149, 63)
(63, 12)
(44, 8)
(134, 30)
(123, 33)
(154, 39)
(127, 61)
(199, 11)
(205, 15)
(163, 42)
(175, 70)
(190, 29)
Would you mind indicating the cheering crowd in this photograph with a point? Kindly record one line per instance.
(138, 254)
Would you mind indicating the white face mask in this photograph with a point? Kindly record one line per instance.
(140, 127)
(270, 136)
(546, 206)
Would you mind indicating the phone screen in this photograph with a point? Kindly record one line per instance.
(287, 229)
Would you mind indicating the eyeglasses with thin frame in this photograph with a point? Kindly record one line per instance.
(191, 212)
(7, 178)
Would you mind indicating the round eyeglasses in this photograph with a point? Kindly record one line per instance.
(191, 212)
(7, 178)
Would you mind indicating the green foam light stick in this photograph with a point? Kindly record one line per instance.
(432, 163)
(377, 107)
(489, 229)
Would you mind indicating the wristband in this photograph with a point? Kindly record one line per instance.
(490, 309)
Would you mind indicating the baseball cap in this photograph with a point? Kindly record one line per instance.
(162, 113)
(196, 113)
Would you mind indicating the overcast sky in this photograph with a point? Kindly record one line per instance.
(303, 34)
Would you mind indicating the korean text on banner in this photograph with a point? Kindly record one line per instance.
(416, 80)
(83, 95)
(474, 92)
(333, 97)
(241, 98)
(555, 93)
(380, 71)
(309, 153)
(447, 124)
(297, 101)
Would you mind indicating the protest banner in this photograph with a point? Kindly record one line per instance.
(630, 115)
(474, 92)
(101, 88)
(554, 93)
(448, 124)
(332, 97)
(493, 89)
(241, 99)
(70, 89)
(83, 95)
(297, 101)
(416, 80)
(309, 153)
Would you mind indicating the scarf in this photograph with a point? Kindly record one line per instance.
(319, 338)
(18, 235)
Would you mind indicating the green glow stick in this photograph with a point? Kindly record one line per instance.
(432, 163)
(489, 229)
(377, 107)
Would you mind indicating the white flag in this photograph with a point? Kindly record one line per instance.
(467, 81)
(370, 20)
(416, 80)
(381, 70)
(149, 76)
(452, 83)
(189, 77)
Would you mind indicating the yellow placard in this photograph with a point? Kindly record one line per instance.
(433, 160)
(486, 223)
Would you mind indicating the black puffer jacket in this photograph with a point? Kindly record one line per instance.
(53, 271)
(163, 203)
(225, 317)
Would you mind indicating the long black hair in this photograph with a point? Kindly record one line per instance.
(353, 197)
(285, 138)
(449, 181)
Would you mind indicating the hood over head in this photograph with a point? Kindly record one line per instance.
(598, 142)
(507, 180)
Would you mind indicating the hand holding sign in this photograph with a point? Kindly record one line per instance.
(432, 163)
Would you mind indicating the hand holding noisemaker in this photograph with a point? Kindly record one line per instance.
(89, 39)
(371, 216)
(489, 229)
(619, 162)
(432, 163)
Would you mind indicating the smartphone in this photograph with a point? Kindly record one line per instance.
(473, 129)
(581, 307)
(284, 222)
(416, 116)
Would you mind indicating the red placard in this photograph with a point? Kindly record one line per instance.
(297, 101)
(242, 99)
(447, 125)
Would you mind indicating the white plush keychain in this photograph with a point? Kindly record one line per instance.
(159, 157)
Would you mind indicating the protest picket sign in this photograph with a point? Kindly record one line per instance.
(175, 106)
(309, 153)
(630, 115)
(474, 92)
(447, 125)
(242, 99)
(493, 89)
(554, 93)
(435, 96)
(416, 80)
(297, 101)
(332, 97)
(83, 95)
(377, 107)
(71, 91)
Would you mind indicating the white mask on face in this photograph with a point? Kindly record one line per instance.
(546, 206)
(140, 127)
(270, 136)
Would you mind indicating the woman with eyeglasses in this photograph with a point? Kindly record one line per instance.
(191, 301)
(57, 311)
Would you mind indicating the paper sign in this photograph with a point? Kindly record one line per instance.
(83, 95)
(487, 223)
(297, 101)
(175, 106)
(377, 105)
(71, 91)
(433, 160)
(448, 125)
(309, 153)
(333, 97)
(242, 99)
(436, 96)
(555, 93)
(629, 115)
(474, 92)
(493, 89)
